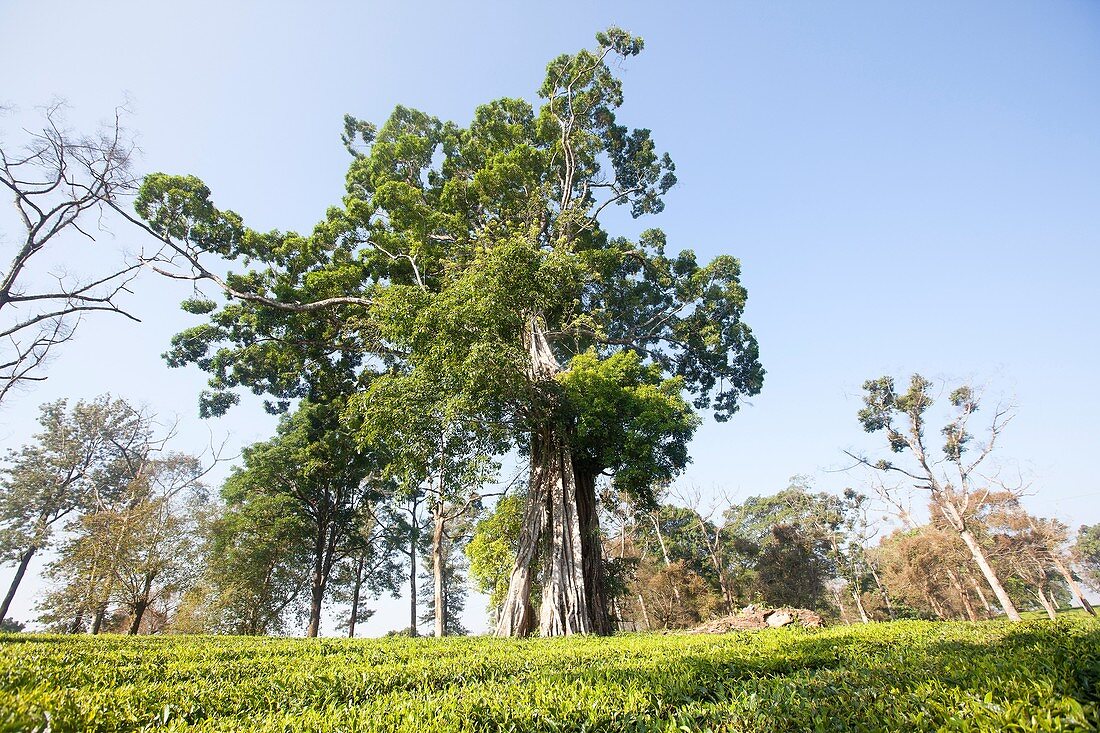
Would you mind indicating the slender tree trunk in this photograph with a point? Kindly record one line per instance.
(437, 570)
(1046, 603)
(963, 595)
(990, 576)
(141, 605)
(953, 515)
(838, 599)
(317, 582)
(356, 589)
(412, 584)
(937, 608)
(982, 597)
(859, 607)
(645, 613)
(664, 553)
(97, 623)
(719, 571)
(139, 611)
(882, 590)
(24, 561)
(1071, 581)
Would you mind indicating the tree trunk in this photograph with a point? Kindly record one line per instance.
(317, 587)
(645, 613)
(141, 605)
(936, 607)
(1066, 573)
(97, 623)
(517, 615)
(1046, 603)
(562, 506)
(990, 576)
(139, 611)
(412, 583)
(859, 607)
(839, 601)
(664, 552)
(963, 595)
(437, 570)
(981, 597)
(882, 590)
(592, 550)
(565, 602)
(24, 561)
(355, 590)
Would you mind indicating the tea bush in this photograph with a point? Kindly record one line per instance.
(911, 676)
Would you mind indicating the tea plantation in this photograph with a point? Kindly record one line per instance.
(903, 676)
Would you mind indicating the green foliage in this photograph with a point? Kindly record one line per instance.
(628, 420)
(1086, 552)
(251, 584)
(492, 549)
(912, 676)
(450, 242)
(787, 539)
(72, 463)
(454, 253)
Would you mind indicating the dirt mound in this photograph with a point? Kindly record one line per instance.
(753, 618)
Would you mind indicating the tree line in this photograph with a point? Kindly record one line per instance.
(310, 522)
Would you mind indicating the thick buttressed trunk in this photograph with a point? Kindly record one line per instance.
(24, 561)
(561, 519)
(573, 596)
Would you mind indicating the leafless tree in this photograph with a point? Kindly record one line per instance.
(61, 185)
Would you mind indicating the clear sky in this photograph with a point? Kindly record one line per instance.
(909, 187)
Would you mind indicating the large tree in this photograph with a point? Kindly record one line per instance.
(477, 256)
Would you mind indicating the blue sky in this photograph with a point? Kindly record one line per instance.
(909, 187)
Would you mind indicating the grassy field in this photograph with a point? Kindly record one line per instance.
(904, 676)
